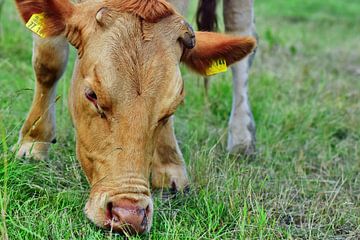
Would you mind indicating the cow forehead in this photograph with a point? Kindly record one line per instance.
(122, 25)
(129, 34)
(133, 58)
(136, 44)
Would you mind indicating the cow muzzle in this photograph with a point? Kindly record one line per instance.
(127, 216)
(122, 207)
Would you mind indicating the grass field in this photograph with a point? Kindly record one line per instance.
(304, 182)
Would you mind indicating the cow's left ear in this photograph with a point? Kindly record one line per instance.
(211, 47)
(55, 13)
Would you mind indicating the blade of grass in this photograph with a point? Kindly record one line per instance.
(3, 194)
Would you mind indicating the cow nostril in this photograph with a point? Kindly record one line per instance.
(109, 215)
(144, 222)
(112, 215)
(147, 210)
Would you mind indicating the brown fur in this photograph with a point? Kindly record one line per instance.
(149, 10)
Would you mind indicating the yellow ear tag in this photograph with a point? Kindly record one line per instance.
(218, 66)
(37, 24)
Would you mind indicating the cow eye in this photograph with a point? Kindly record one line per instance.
(90, 95)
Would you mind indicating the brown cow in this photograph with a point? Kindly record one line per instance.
(125, 88)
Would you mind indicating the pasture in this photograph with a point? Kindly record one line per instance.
(304, 182)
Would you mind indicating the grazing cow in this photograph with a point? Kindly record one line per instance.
(126, 86)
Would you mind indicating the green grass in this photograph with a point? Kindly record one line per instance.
(303, 184)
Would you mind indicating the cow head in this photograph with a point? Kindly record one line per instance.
(126, 84)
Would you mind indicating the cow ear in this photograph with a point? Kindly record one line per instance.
(211, 47)
(55, 13)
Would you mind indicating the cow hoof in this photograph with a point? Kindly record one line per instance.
(241, 149)
(35, 150)
(242, 146)
(242, 141)
(174, 192)
(170, 178)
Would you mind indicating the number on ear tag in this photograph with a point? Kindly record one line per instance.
(37, 24)
(216, 67)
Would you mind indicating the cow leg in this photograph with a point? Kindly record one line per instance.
(180, 5)
(168, 169)
(239, 19)
(38, 132)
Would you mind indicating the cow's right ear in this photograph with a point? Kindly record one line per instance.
(55, 13)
